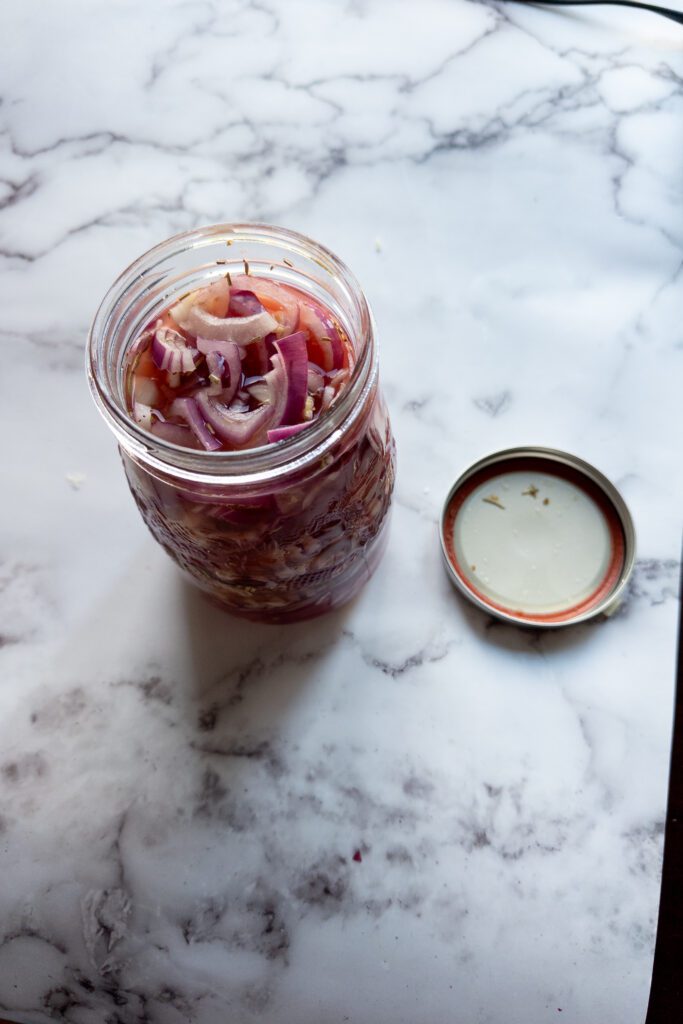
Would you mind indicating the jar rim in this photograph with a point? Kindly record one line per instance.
(254, 465)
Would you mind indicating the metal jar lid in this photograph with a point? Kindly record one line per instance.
(537, 537)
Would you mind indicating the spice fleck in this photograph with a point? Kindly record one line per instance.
(531, 491)
(546, 501)
(493, 499)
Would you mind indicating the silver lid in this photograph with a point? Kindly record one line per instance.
(537, 537)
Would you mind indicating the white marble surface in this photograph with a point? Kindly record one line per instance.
(181, 795)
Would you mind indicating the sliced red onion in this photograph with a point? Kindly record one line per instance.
(325, 334)
(188, 409)
(259, 390)
(294, 360)
(219, 374)
(141, 343)
(213, 299)
(243, 303)
(270, 294)
(170, 352)
(282, 433)
(316, 379)
(235, 428)
(230, 353)
(241, 329)
(145, 391)
(175, 434)
(257, 357)
(142, 414)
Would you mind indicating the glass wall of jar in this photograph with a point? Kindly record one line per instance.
(275, 533)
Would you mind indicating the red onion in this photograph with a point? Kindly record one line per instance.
(325, 334)
(218, 372)
(142, 414)
(171, 353)
(175, 434)
(235, 428)
(275, 297)
(188, 409)
(146, 391)
(294, 362)
(230, 352)
(282, 433)
(258, 389)
(213, 299)
(240, 329)
(243, 303)
(316, 379)
(256, 357)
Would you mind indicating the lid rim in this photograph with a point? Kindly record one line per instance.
(606, 605)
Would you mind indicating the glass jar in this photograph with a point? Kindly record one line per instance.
(277, 533)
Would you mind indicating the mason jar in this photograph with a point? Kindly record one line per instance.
(277, 533)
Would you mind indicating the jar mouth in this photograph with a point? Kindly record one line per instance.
(183, 262)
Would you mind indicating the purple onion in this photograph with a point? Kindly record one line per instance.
(171, 352)
(294, 360)
(282, 433)
(241, 329)
(234, 428)
(243, 303)
(231, 374)
(188, 409)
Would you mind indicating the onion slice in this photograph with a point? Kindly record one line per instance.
(175, 434)
(188, 409)
(294, 366)
(171, 353)
(243, 303)
(276, 298)
(282, 433)
(240, 329)
(234, 428)
(213, 299)
(142, 414)
(325, 336)
(231, 354)
(316, 379)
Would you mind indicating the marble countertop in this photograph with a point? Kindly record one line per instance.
(403, 813)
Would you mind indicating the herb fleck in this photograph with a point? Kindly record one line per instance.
(531, 490)
(246, 267)
(221, 261)
(493, 499)
(287, 263)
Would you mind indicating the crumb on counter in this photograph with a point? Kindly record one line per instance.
(75, 480)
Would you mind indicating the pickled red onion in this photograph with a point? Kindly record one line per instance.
(282, 433)
(188, 409)
(235, 428)
(170, 351)
(294, 361)
(231, 354)
(243, 303)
